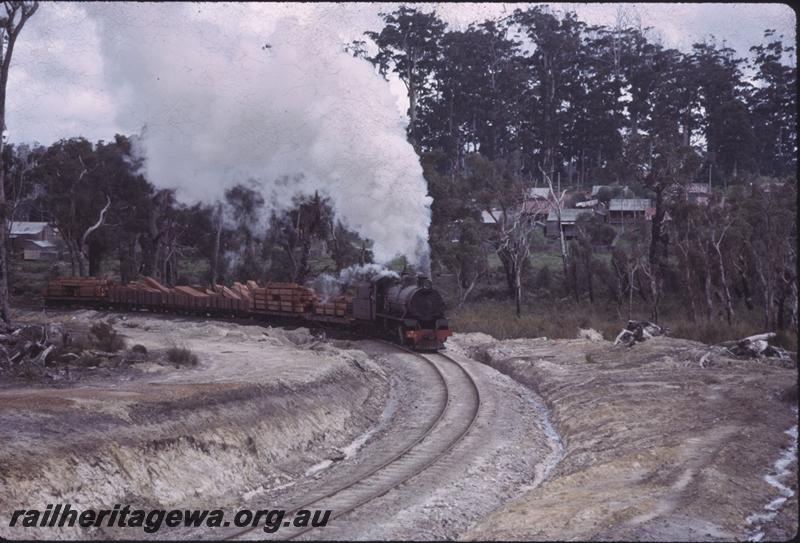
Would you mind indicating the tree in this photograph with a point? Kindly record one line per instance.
(557, 42)
(17, 14)
(465, 256)
(347, 248)
(726, 123)
(20, 186)
(245, 204)
(76, 198)
(773, 103)
(499, 189)
(132, 198)
(295, 230)
(408, 45)
(474, 103)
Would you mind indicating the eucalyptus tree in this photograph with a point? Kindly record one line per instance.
(11, 24)
(773, 103)
(408, 46)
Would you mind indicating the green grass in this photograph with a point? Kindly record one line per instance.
(551, 259)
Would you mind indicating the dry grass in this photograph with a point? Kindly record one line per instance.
(105, 338)
(178, 356)
(499, 320)
(718, 331)
(562, 321)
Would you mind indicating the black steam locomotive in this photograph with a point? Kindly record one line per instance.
(408, 308)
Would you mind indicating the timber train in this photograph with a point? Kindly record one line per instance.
(407, 310)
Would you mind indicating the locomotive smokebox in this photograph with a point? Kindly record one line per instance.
(414, 298)
(426, 304)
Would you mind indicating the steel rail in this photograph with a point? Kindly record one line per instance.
(473, 416)
(389, 461)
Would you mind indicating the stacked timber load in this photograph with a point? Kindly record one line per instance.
(195, 292)
(335, 306)
(146, 291)
(149, 292)
(285, 297)
(77, 287)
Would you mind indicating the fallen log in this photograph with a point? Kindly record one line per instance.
(639, 331)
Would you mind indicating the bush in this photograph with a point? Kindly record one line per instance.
(87, 360)
(789, 395)
(105, 338)
(181, 356)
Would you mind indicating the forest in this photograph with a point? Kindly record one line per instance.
(535, 99)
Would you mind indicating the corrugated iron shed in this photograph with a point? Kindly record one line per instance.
(539, 192)
(23, 228)
(629, 204)
(698, 188)
(568, 215)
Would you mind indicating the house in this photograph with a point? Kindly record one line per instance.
(629, 210)
(569, 219)
(591, 204)
(538, 193)
(698, 193)
(539, 201)
(494, 217)
(537, 210)
(34, 240)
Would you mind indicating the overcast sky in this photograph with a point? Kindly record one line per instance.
(60, 86)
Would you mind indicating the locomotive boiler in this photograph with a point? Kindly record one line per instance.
(407, 308)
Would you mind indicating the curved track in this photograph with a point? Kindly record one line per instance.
(457, 412)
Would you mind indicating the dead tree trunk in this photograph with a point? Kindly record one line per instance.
(17, 13)
(558, 200)
(632, 269)
(83, 252)
(687, 277)
(217, 240)
(726, 291)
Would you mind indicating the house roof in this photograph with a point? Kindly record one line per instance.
(628, 204)
(486, 217)
(42, 244)
(537, 207)
(568, 215)
(539, 192)
(22, 228)
(698, 188)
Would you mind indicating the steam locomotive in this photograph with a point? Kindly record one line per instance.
(407, 310)
(411, 306)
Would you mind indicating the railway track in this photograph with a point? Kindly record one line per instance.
(457, 409)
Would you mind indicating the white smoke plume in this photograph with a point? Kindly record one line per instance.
(223, 101)
(327, 285)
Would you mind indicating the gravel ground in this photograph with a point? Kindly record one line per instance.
(575, 439)
(262, 406)
(508, 451)
(655, 447)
